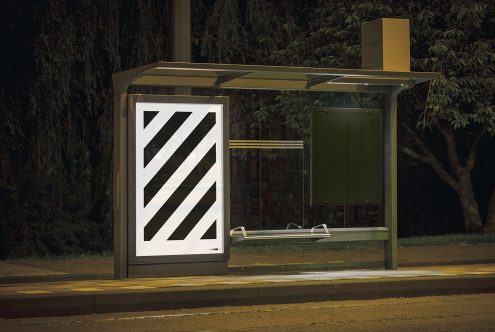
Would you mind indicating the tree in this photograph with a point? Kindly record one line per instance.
(456, 39)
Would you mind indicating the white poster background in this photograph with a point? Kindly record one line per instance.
(192, 244)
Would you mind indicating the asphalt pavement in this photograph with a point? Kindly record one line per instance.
(430, 313)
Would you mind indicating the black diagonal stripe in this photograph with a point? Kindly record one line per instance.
(211, 233)
(199, 210)
(164, 135)
(148, 116)
(176, 199)
(178, 157)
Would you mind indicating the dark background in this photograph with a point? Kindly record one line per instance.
(56, 102)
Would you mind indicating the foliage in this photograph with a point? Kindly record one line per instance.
(250, 31)
(56, 120)
(461, 46)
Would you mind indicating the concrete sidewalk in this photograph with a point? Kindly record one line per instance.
(280, 260)
(84, 286)
(104, 296)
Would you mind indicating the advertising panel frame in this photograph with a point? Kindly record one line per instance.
(185, 263)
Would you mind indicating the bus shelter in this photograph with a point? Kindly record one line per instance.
(173, 213)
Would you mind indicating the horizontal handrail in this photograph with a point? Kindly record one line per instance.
(265, 144)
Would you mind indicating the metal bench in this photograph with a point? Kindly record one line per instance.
(320, 233)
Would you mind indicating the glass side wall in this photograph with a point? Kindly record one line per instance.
(270, 183)
(245, 204)
(267, 171)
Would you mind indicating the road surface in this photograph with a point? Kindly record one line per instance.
(439, 313)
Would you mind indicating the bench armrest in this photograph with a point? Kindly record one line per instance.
(324, 226)
(241, 228)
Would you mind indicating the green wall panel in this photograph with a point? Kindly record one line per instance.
(329, 169)
(346, 157)
(364, 158)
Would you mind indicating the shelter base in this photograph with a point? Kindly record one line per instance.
(177, 269)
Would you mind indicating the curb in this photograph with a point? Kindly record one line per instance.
(195, 297)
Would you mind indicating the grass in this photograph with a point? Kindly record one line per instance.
(445, 240)
(416, 241)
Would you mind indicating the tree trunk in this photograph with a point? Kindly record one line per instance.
(459, 180)
(472, 218)
(489, 226)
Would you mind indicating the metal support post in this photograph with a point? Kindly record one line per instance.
(390, 176)
(180, 35)
(120, 181)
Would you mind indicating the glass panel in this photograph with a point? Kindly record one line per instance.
(331, 215)
(281, 188)
(244, 108)
(364, 216)
(244, 163)
(270, 187)
(244, 188)
(281, 168)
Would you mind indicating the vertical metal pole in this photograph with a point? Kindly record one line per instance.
(390, 177)
(120, 181)
(180, 35)
(180, 25)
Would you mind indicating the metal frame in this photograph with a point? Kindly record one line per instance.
(177, 264)
(120, 180)
(390, 176)
(233, 76)
(136, 260)
(229, 76)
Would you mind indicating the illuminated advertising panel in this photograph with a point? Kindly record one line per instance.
(179, 188)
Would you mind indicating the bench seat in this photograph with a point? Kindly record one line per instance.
(320, 233)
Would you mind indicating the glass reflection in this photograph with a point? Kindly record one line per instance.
(281, 188)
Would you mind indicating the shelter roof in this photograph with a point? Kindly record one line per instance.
(235, 76)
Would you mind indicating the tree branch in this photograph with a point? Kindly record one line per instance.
(415, 155)
(429, 158)
(471, 160)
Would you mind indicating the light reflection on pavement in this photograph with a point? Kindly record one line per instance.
(149, 284)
